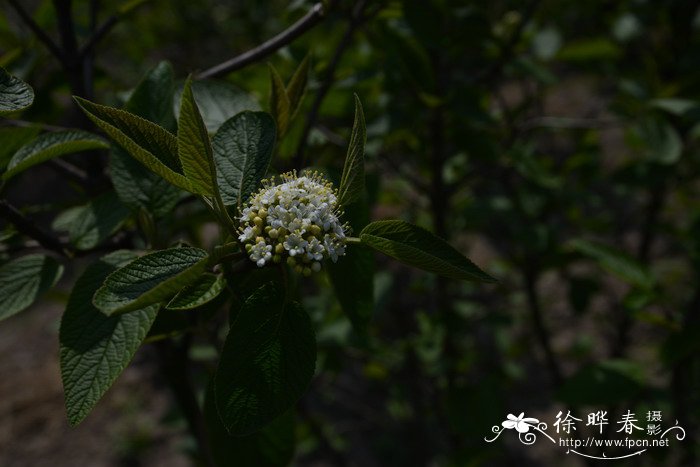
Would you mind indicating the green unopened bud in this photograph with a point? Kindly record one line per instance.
(291, 261)
(315, 230)
(306, 271)
(258, 221)
(279, 249)
(273, 233)
(252, 215)
(316, 266)
(248, 247)
(277, 258)
(262, 213)
(298, 269)
(259, 239)
(282, 231)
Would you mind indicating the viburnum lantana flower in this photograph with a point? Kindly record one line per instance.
(297, 220)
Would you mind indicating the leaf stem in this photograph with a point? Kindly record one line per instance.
(355, 240)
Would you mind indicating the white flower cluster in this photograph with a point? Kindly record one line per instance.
(296, 220)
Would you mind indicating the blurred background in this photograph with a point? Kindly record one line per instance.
(555, 143)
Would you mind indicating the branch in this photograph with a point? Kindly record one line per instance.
(30, 229)
(38, 32)
(312, 18)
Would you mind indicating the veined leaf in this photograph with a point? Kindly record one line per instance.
(150, 144)
(352, 276)
(417, 247)
(218, 101)
(206, 289)
(24, 279)
(279, 102)
(273, 446)
(267, 361)
(296, 88)
(15, 94)
(94, 348)
(140, 189)
(353, 283)
(150, 279)
(152, 99)
(193, 145)
(97, 220)
(616, 262)
(11, 139)
(51, 145)
(242, 151)
(352, 182)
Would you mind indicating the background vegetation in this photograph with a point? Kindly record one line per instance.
(553, 142)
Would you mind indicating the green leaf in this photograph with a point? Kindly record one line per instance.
(352, 182)
(15, 94)
(11, 139)
(273, 446)
(616, 262)
(51, 145)
(150, 279)
(353, 283)
(193, 145)
(150, 144)
(296, 88)
(138, 188)
(97, 221)
(267, 361)
(279, 102)
(242, 151)
(218, 101)
(206, 289)
(674, 106)
(661, 141)
(94, 348)
(352, 276)
(152, 98)
(24, 279)
(417, 247)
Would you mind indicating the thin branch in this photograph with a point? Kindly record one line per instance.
(75, 173)
(38, 32)
(26, 124)
(356, 19)
(30, 229)
(533, 300)
(312, 18)
(98, 35)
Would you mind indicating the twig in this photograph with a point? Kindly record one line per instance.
(75, 173)
(26, 124)
(530, 277)
(356, 20)
(30, 229)
(98, 35)
(309, 20)
(38, 32)
(174, 365)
